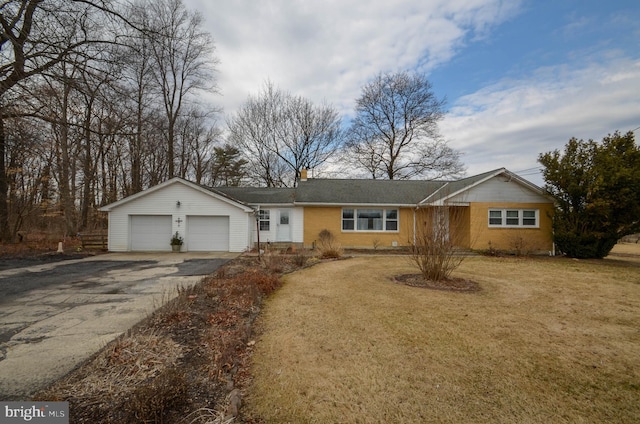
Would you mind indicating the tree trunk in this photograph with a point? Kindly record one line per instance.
(4, 186)
(87, 170)
(65, 165)
(170, 146)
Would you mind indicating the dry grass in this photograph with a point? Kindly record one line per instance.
(132, 379)
(545, 340)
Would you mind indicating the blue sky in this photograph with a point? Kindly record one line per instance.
(541, 33)
(520, 77)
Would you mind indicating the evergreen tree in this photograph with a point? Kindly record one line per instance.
(597, 192)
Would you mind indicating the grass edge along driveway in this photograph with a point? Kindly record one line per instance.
(545, 340)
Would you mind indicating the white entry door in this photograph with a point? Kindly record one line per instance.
(284, 227)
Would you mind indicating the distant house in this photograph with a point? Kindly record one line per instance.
(495, 209)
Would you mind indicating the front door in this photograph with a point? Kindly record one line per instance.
(284, 228)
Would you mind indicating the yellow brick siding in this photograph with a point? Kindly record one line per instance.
(317, 219)
(460, 226)
(530, 239)
(468, 226)
(458, 217)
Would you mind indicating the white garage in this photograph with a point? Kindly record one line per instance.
(205, 218)
(207, 233)
(150, 232)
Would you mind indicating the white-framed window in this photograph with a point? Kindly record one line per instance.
(374, 219)
(525, 218)
(263, 218)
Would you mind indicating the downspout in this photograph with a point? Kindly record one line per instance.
(256, 212)
(414, 225)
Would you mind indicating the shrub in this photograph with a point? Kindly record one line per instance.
(300, 259)
(328, 245)
(434, 250)
(273, 262)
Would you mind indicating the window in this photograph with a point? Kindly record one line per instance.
(529, 218)
(369, 220)
(264, 220)
(392, 220)
(495, 217)
(348, 222)
(513, 218)
(284, 217)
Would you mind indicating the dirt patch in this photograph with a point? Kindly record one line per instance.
(450, 284)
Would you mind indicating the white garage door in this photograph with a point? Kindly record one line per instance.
(150, 232)
(207, 233)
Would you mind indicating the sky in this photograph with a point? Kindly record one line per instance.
(520, 77)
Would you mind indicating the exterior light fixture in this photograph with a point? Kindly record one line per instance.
(178, 204)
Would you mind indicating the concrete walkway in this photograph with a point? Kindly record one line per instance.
(54, 316)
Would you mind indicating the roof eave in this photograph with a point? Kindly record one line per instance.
(210, 192)
(337, 204)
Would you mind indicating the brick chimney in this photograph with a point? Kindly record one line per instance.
(303, 175)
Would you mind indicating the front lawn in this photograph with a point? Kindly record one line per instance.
(544, 340)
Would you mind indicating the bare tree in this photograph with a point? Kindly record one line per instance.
(36, 35)
(183, 60)
(136, 89)
(197, 133)
(254, 128)
(435, 247)
(395, 134)
(108, 83)
(282, 134)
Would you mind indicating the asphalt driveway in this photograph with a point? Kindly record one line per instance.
(54, 316)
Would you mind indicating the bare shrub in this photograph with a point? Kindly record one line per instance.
(435, 250)
(273, 261)
(328, 245)
(519, 244)
(492, 251)
(300, 259)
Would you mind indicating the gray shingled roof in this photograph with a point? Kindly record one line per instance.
(379, 192)
(357, 192)
(258, 195)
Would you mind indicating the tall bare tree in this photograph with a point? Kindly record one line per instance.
(136, 55)
(36, 35)
(281, 134)
(183, 61)
(197, 134)
(394, 134)
(109, 82)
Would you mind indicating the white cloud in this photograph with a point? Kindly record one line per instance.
(326, 50)
(510, 123)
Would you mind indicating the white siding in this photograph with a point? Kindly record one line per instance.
(500, 190)
(297, 225)
(163, 202)
(296, 220)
